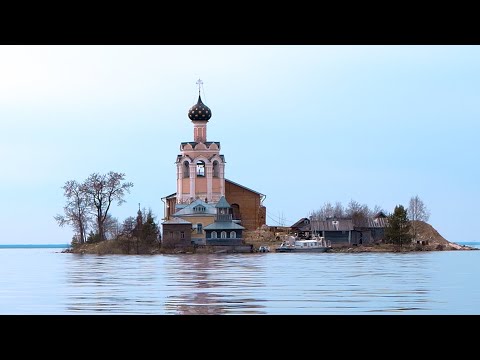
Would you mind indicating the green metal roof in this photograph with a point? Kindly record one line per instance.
(222, 203)
(223, 225)
(176, 220)
(188, 210)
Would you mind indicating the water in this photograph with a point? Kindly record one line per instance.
(45, 281)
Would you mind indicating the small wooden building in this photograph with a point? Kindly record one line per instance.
(301, 228)
(337, 231)
(176, 232)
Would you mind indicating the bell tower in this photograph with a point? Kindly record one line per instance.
(200, 166)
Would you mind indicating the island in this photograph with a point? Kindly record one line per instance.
(427, 239)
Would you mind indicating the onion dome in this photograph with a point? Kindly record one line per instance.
(199, 111)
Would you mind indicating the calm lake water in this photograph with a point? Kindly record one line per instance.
(45, 281)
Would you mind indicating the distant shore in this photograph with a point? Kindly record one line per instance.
(396, 248)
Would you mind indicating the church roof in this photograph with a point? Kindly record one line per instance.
(244, 187)
(176, 220)
(197, 207)
(222, 203)
(199, 111)
(223, 225)
(207, 143)
(171, 196)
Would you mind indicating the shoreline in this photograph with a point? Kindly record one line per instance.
(109, 247)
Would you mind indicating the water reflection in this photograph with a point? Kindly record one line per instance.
(213, 285)
(347, 283)
(112, 283)
(426, 283)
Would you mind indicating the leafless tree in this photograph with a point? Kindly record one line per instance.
(111, 227)
(376, 210)
(327, 210)
(324, 213)
(103, 189)
(338, 211)
(417, 211)
(357, 212)
(76, 210)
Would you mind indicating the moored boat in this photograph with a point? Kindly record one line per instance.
(318, 244)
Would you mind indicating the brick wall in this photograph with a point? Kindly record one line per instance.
(251, 211)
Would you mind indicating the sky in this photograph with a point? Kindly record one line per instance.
(302, 124)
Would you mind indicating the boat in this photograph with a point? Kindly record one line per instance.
(317, 244)
(264, 248)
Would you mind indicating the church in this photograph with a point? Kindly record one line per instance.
(207, 208)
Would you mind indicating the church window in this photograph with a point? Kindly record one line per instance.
(200, 168)
(236, 212)
(216, 169)
(223, 234)
(199, 209)
(186, 169)
(214, 234)
(233, 234)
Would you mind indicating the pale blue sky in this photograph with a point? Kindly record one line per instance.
(301, 124)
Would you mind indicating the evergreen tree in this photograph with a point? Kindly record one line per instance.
(398, 227)
(150, 230)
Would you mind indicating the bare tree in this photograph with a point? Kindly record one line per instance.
(76, 209)
(103, 189)
(357, 212)
(338, 211)
(417, 211)
(377, 210)
(111, 227)
(324, 213)
(327, 210)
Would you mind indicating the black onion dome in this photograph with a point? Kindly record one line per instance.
(199, 111)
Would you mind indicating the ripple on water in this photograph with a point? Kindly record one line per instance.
(419, 283)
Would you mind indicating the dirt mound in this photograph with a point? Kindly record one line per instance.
(426, 233)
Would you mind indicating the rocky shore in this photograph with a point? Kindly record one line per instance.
(428, 240)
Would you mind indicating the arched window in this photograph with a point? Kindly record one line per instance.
(199, 209)
(216, 169)
(223, 234)
(186, 169)
(200, 168)
(214, 234)
(236, 212)
(233, 235)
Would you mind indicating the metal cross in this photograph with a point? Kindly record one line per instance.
(199, 82)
